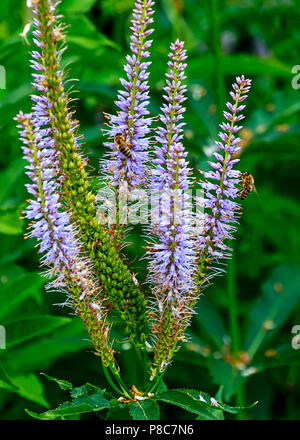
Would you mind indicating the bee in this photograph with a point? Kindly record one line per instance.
(248, 185)
(122, 145)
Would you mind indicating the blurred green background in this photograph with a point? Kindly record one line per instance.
(242, 335)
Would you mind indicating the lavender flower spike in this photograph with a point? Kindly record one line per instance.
(62, 252)
(222, 216)
(130, 121)
(172, 256)
(50, 226)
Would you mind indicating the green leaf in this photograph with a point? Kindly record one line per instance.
(184, 401)
(9, 177)
(23, 329)
(41, 353)
(5, 381)
(63, 384)
(280, 295)
(76, 6)
(197, 402)
(144, 410)
(215, 412)
(83, 33)
(31, 388)
(10, 223)
(212, 414)
(58, 413)
(24, 286)
(118, 413)
(247, 64)
(216, 404)
(162, 387)
(89, 399)
(11, 100)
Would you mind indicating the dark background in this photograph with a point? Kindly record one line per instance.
(241, 337)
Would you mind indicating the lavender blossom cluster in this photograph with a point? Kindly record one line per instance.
(131, 120)
(181, 245)
(221, 184)
(50, 223)
(172, 256)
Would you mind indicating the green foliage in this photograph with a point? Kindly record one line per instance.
(144, 410)
(279, 297)
(194, 401)
(89, 398)
(86, 398)
(264, 276)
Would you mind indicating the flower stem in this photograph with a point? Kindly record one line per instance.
(122, 384)
(139, 365)
(234, 328)
(109, 380)
(233, 307)
(155, 386)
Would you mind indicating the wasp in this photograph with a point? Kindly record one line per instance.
(122, 145)
(248, 185)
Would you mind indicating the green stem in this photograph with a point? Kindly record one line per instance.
(256, 343)
(234, 329)
(139, 365)
(109, 380)
(241, 400)
(122, 384)
(155, 386)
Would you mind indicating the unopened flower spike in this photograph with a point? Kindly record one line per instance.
(128, 163)
(172, 255)
(220, 186)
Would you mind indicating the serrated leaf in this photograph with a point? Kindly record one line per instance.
(213, 414)
(214, 403)
(197, 402)
(184, 401)
(90, 399)
(58, 413)
(162, 387)
(118, 413)
(144, 410)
